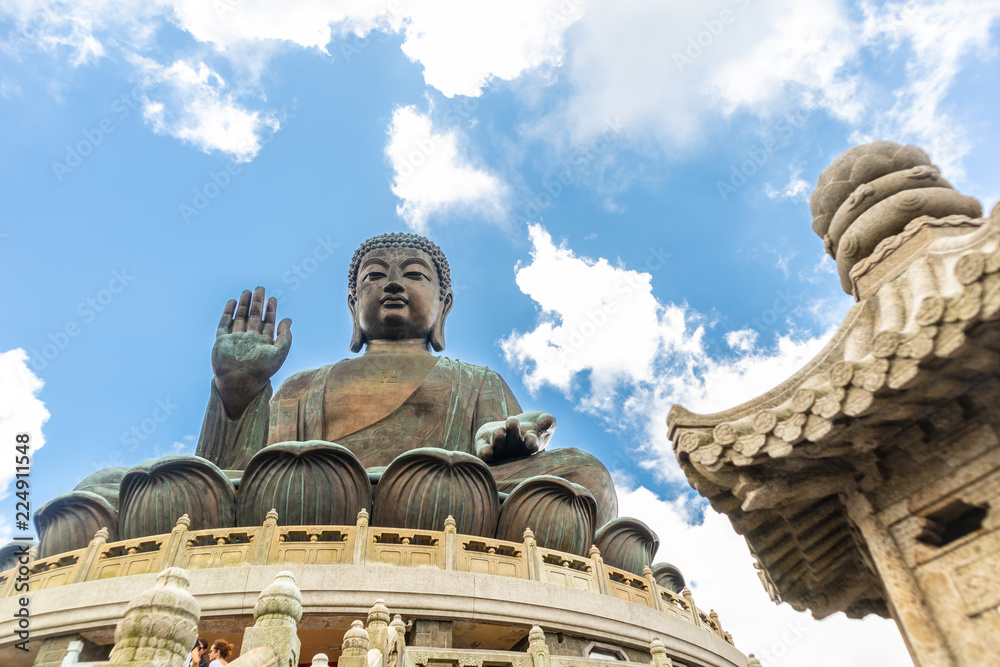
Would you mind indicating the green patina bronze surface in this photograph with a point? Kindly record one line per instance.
(394, 398)
(628, 544)
(307, 483)
(423, 487)
(153, 492)
(445, 437)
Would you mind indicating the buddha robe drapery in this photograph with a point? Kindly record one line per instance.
(446, 410)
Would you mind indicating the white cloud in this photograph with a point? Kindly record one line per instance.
(660, 68)
(719, 570)
(81, 29)
(797, 189)
(658, 65)
(430, 174)
(194, 104)
(742, 340)
(938, 37)
(588, 307)
(462, 44)
(21, 411)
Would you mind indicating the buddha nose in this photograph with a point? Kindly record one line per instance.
(394, 283)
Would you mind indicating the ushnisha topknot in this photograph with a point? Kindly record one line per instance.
(398, 240)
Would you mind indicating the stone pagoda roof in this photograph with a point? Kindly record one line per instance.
(917, 356)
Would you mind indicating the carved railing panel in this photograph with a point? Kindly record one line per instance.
(407, 548)
(567, 570)
(223, 547)
(499, 557)
(315, 545)
(55, 570)
(673, 604)
(360, 544)
(627, 586)
(129, 557)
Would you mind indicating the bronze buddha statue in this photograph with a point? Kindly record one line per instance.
(411, 436)
(395, 397)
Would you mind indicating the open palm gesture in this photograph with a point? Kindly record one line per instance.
(246, 352)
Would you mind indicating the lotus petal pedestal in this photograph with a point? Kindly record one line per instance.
(308, 483)
(561, 514)
(627, 544)
(155, 493)
(668, 576)
(422, 487)
(69, 521)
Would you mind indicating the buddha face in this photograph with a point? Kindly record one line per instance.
(398, 295)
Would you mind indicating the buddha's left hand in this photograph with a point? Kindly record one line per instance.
(520, 435)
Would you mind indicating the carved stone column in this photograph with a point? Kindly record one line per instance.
(927, 644)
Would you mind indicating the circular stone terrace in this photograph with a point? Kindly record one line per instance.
(456, 591)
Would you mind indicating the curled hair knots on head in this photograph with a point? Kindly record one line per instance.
(399, 240)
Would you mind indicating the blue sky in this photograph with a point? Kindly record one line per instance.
(621, 189)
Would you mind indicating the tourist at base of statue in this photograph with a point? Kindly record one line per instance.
(219, 653)
(198, 654)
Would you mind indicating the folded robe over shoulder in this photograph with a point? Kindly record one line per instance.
(445, 410)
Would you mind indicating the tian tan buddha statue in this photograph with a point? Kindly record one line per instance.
(411, 436)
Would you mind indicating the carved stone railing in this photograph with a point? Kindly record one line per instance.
(360, 544)
(161, 622)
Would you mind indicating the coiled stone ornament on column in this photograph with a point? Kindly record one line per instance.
(872, 192)
(279, 603)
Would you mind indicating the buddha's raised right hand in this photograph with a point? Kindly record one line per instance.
(246, 352)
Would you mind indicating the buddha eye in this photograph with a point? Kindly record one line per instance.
(415, 275)
(374, 275)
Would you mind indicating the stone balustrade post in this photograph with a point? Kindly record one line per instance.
(538, 650)
(354, 648)
(320, 660)
(276, 616)
(659, 653)
(532, 556)
(361, 539)
(266, 540)
(378, 627)
(753, 661)
(174, 547)
(451, 546)
(160, 624)
(647, 574)
(88, 561)
(692, 609)
(717, 624)
(599, 571)
(400, 628)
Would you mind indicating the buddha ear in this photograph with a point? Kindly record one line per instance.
(437, 333)
(357, 336)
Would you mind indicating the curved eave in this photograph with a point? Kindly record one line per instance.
(920, 351)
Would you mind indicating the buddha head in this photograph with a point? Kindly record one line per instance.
(399, 288)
